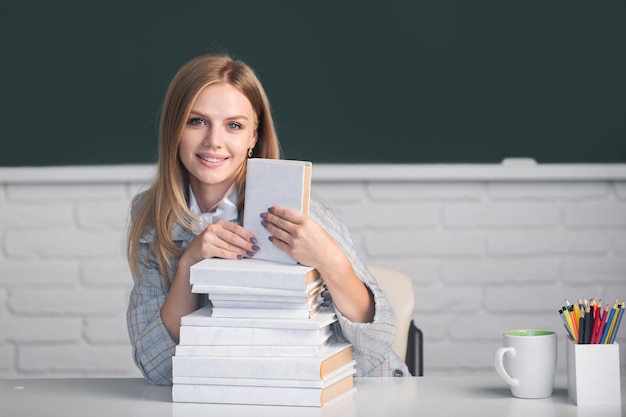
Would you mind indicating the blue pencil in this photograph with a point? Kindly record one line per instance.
(619, 319)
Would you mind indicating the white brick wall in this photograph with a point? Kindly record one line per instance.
(488, 249)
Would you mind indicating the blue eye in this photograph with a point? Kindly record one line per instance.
(197, 121)
(234, 125)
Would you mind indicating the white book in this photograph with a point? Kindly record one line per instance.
(242, 290)
(309, 304)
(341, 373)
(261, 298)
(251, 350)
(252, 273)
(334, 357)
(260, 395)
(266, 313)
(274, 182)
(202, 318)
(244, 336)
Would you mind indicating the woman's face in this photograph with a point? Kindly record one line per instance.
(215, 141)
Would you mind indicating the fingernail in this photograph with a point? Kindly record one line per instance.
(253, 240)
(263, 215)
(264, 223)
(271, 209)
(271, 238)
(239, 256)
(255, 248)
(250, 253)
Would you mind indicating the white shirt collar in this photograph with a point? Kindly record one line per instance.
(226, 209)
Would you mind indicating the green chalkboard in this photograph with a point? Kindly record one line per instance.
(349, 81)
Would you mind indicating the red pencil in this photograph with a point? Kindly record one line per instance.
(597, 315)
(602, 325)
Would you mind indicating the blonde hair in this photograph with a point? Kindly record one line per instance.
(165, 202)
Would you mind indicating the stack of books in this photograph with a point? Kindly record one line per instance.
(264, 339)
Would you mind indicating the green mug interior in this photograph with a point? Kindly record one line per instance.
(529, 332)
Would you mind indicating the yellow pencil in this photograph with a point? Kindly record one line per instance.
(568, 321)
(572, 311)
(577, 311)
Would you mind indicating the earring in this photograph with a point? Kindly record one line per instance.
(250, 153)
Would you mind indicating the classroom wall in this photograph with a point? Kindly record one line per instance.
(486, 253)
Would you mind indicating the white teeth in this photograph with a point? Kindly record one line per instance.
(211, 159)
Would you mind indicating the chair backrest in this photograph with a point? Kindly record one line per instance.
(399, 290)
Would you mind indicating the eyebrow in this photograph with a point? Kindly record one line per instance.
(197, 113)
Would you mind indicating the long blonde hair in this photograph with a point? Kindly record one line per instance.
(165, 202)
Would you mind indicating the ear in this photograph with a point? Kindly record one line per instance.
(253, 139)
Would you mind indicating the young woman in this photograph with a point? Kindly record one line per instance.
(216, 115)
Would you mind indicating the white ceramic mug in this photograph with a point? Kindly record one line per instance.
(527, 362)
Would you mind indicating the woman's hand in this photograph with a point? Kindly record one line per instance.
(221, 239)
(304, 240)
(301, 238)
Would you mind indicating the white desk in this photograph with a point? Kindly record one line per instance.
(384, 397)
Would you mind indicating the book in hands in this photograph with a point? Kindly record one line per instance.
(274, 182)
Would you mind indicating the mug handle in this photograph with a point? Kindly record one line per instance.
(498, 363)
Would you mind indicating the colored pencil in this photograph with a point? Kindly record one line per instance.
(588, 325)
(577, 311)
(581, 328)
(608, 324)
(598, 324)
(570, 309)
(619, 319)
(594, 326)
(567, 322)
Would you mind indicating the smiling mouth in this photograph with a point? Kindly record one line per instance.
(209, 159)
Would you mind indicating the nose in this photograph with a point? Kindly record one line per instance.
(212, 138)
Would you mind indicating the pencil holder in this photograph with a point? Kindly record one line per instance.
(593, 373)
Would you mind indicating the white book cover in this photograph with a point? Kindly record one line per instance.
(251, 350)
(341, 373)
(244, 336)
(252, 272)
(202, 318)
(250, 291)
(335, 356)
(265, 313)
(274, 182)
(259, 395)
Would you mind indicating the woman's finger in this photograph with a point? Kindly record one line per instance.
(225, 239)
(288, 216)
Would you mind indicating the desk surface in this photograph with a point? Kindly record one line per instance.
(433, 396)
